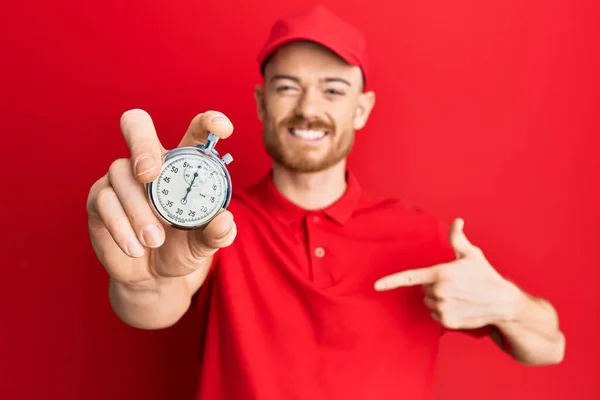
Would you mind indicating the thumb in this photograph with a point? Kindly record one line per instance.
(219, 233)
(459, 241)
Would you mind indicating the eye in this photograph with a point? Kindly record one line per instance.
(334, 92)
(285, 88)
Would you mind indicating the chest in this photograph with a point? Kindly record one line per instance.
(319, 253)
(320, 274)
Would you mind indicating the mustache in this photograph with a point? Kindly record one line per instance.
(299, 122)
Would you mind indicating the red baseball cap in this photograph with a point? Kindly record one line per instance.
(321, 26)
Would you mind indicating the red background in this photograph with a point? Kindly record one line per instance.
(485, 110)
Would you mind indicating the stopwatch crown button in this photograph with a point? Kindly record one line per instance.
(227, 158)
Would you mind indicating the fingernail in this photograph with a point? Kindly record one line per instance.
(134, 248)
(379, 285)
(144, 164)
(219, 120)
(152, 236)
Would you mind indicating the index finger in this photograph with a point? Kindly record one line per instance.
(145, 147)
(211, 121)
(412, 277)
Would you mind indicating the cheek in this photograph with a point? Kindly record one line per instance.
(278, 109)
(343, 112)
(343, 121)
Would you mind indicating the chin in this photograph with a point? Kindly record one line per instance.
(306, 164)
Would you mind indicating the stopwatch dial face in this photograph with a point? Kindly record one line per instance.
(190, 190)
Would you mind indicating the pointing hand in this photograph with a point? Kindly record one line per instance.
(466, 293)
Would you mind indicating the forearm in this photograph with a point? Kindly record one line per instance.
(531, 333)
(153, 304)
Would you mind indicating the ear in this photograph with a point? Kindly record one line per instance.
(260, 102)
(366, 102)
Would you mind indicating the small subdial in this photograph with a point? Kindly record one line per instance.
(196, 173)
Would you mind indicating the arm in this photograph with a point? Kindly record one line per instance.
(530, 331)
(156, 303)
(469, 294)
(154, 269)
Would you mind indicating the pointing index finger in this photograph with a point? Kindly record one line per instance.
(145, 147)
(412, 277)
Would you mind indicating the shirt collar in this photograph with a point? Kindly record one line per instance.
(289, 213)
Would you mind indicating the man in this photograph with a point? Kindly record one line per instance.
(316, 290)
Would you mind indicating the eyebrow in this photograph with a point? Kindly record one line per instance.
(297, 80)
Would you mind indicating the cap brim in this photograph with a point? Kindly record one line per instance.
(272, 48)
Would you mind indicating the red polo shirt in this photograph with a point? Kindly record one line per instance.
(290, 311)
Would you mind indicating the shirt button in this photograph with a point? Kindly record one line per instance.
(319, 252)
(316, 218)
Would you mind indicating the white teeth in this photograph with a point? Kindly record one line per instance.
(308, 134)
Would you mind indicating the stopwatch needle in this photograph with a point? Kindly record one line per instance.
(189, 189)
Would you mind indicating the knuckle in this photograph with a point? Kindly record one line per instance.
(117, 166)
(449, 321)
(141, 215)
(104, 197)
(139, 221)
(135, 218)
(116, 223)
(144, 147)
(443, 307)
(441, 290)
(197, 119)
(447, 274)
(431, 303)
(93, 193)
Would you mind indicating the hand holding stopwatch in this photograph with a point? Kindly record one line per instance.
(202, 175)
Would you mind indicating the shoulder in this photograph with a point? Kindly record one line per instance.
(399, 215)
(248, 203)
(246, 199)
(406, 233)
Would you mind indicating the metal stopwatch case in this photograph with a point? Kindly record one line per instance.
(193, 186)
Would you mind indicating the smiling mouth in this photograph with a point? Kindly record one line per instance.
(308, 134)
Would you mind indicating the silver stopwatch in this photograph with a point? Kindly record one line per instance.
(193, 185)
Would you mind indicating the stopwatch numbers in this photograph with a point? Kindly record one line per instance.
(189, 190)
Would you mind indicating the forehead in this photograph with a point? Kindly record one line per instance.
(309, 60)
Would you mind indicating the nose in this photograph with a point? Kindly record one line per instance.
(308, 104)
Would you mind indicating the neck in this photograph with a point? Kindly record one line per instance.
(311, 191)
